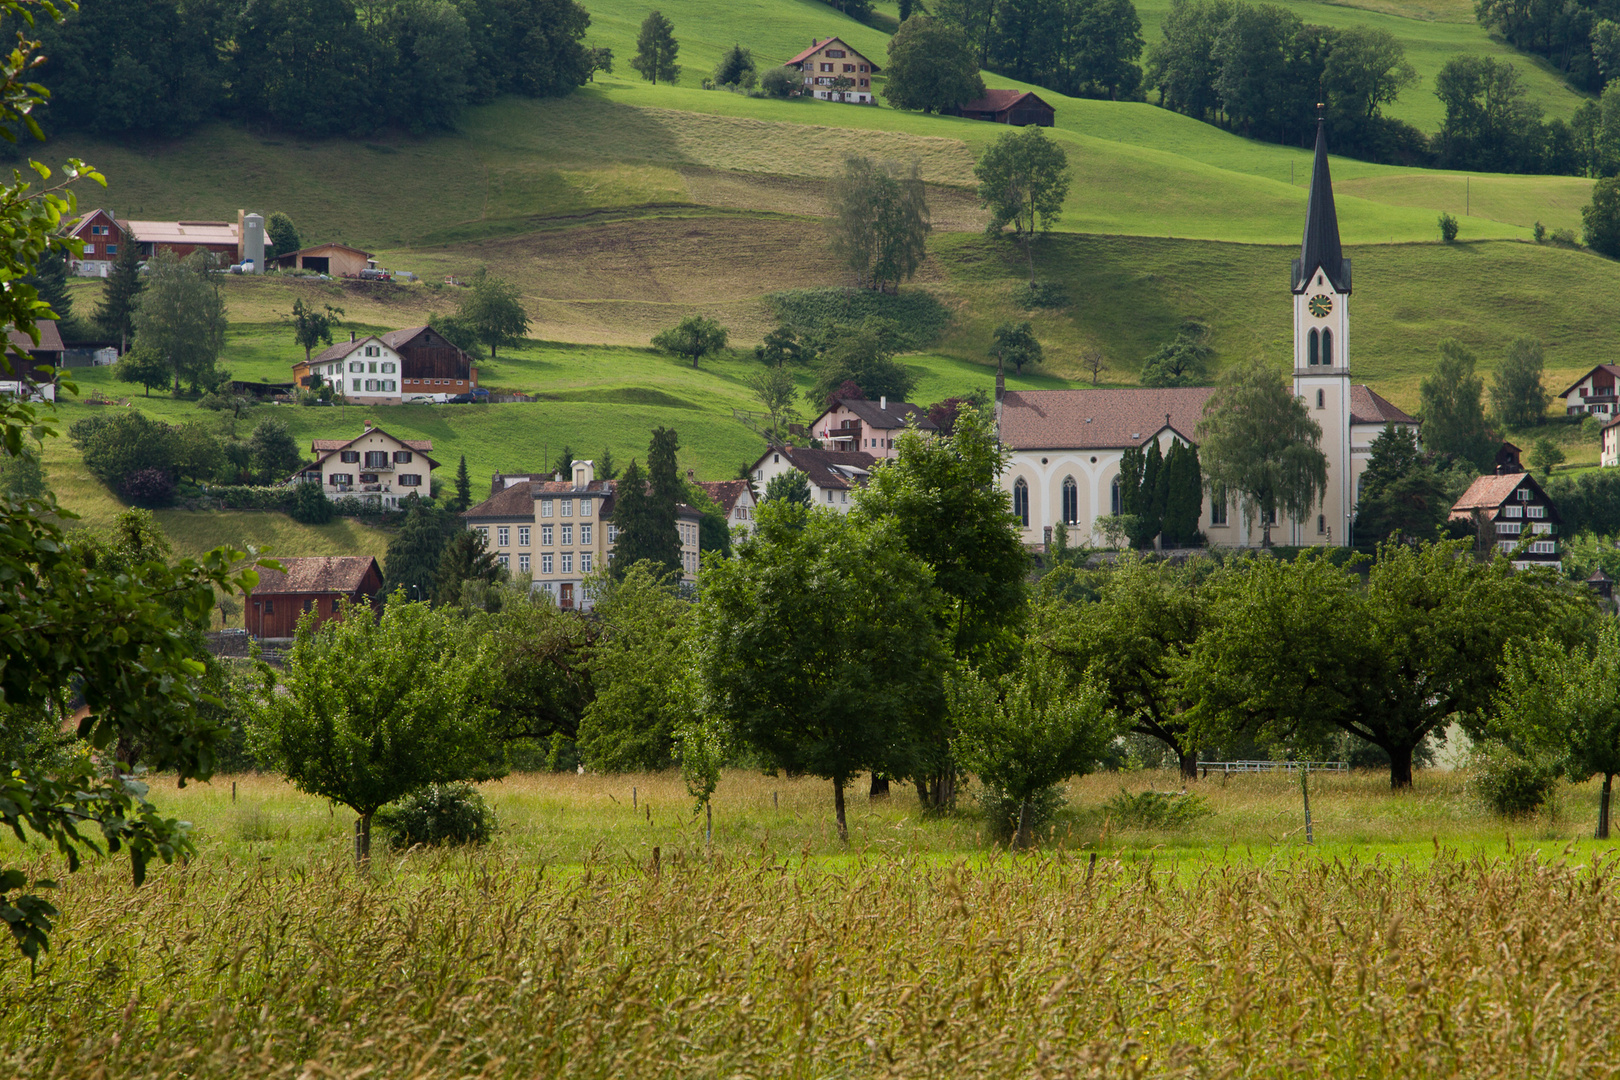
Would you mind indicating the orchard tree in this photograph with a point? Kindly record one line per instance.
(1015, 343)
(1600, 218)
(656, 49)
(371, 709)
(493, 311)
(1023, 180)
(694, 337)
(311, 327)
(817, 646)
(275, 454)
(1258, 442)
(1183, 361)
(1567, 702)
(637, 669)
(143, 367)
(931, 67)
(791, 486)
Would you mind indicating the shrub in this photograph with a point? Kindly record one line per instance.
(1508, 783)
(1540, 233)
(1157, 809)
(1040, 294)
(148, 487)
(254, 497)
(310, 505)
(1448, 228)
(1001, 809)
(780, 82)
(438, 814)
(917, 318)
(1565, 238)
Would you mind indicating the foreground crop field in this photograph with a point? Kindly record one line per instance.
(762, 958)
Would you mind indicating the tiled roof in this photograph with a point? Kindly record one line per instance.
(997, 100)
(829, 468)
(516, 501)
(1368, 407)
(873, 414)
(317, 574)
(1489, 492)
(822, 44)
(325, 445)
(724, 492)
(1612, 369)
(1098, 419)
(50, 338)
(395, 338)
(339, 350)
(85, 219)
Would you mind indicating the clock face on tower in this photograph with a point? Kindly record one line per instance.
(1320, 305)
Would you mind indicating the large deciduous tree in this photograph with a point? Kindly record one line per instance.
(180, 316)
(1453, 409)
(880, 224)
(817, 646)
(931, 67)
(694, 337)
(373, 708)
(656, 49)
(493, 310)
(862, 355)
(1600, 218)
(1518, 397)
(1023, 180)
(637, 669)
(1015, 343)
(1258, 442)
(311, 326)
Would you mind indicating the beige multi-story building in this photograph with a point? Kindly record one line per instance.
(373, 467)
(835, 72)
(560, 532)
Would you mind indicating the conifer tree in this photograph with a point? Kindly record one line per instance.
(412, 562)
(1184, 496)
(656, 49)
(463, 488)
(116, 311)
(50, 280)
(465, 558)
(1149, 502)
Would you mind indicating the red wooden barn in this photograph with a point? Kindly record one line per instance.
(317, 584)
(1017, 107)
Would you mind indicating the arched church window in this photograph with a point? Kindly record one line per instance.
(1311, 347)
(1116, 499)
(1021, 502)
(1320, 399)
(1071, 501)
(1327, 348)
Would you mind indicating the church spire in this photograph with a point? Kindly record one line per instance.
(1320, 250)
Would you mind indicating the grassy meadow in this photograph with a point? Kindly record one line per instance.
(596, 938)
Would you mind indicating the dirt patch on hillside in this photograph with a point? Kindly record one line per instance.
(952, 209)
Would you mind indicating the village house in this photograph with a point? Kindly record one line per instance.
(373, 467)
(735, 498)
(1020, 108)
(318, 584)
(25, 375)
(1593, 393)
(833, 474)
(1508, 508)
(104, 235)
(410, 365)
(1066, 445)
(870, 426)
(560, 532)
(835, 72)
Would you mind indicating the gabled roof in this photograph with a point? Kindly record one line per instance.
(317, 574)
(325, 448)
(1320, 249)
(516, 501)
(1490, 492)
(839, 470)
(182, 232)
(340, 349)
(83, 220)
(1612, 369)
(878, 415)
(50, 338)
(999, 99)
(725, 492)
(1105, 419)
(323, 247)
(1367, 406)
(816, 46)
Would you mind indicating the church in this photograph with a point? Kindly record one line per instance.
(1065, 445)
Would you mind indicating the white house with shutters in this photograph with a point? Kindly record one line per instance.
(373, 467)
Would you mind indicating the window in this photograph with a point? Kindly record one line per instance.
(1535, 511)
(1320, 399)
(585, 509)
(829, 494)
(402, 457)
(342, 478)
(1312, 348)
(112, 249)
(1507, 528)
(567, 509)
(1523, 494)
(503, 536)
(523, 563)
(356, 387)
(837, 54)
(568, 534)
(613, 533)
(371, 350)
(1116, 499)
(1270, 516)
(410, 480)
(523, 536)
(545, 510)
(89, 249)
(483, 531)
(1321, 524)
(356, 367)
(269, 606)
(1071, 501)
(349, 457)
(1217, 507)
(371, 384)
(545, 536)
(368, 478)
(849, 68)
(864, 68)
(1544, 547)
(568, 562)
(826, 67)
(376, 459)
(388, 367)
(504, 560)
(1021, 502)
(584, 562)
(545, 563)
(584, 534)
(1327, 348)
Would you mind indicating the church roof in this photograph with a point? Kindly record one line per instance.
(1369, 407)
(1105, 419)
(1320, 249)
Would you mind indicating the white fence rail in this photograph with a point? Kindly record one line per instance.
(1229, 767)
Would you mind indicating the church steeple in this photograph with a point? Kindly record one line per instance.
(1320, 250)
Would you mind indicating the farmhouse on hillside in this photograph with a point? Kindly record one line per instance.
(1593, 392)
(374, 467)
(104, 235)
(413, 364)
(857, 424)
(833, 474)
(1065, 445)
(835, 72)
(559, 532)
(1020, 108)
(315, 584)
(1505, 509)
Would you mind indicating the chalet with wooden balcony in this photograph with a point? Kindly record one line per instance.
(868, 426)
(374, 467)
(1508, 510)
(1593, 392)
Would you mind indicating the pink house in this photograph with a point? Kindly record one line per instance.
(867, 426)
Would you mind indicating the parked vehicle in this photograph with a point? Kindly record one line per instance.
(373, 274)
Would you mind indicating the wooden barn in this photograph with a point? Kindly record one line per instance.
(1020, 108)
(318, 584)
(339, 260)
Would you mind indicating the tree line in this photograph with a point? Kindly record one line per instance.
(1580, 38)
(316, 67)
(1083, 48)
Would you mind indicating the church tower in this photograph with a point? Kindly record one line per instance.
(1321, 286)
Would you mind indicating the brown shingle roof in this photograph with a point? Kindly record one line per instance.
(50, 338)
(515, 501)
(821, 466)
(339, 350)
(326, 445)
(1612, 369)
(724, 492)
(997, 100)
(1489, 492)
(317, 574)
(822, 44)
(1098, 419)
(1368, 407)
(894, 416)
